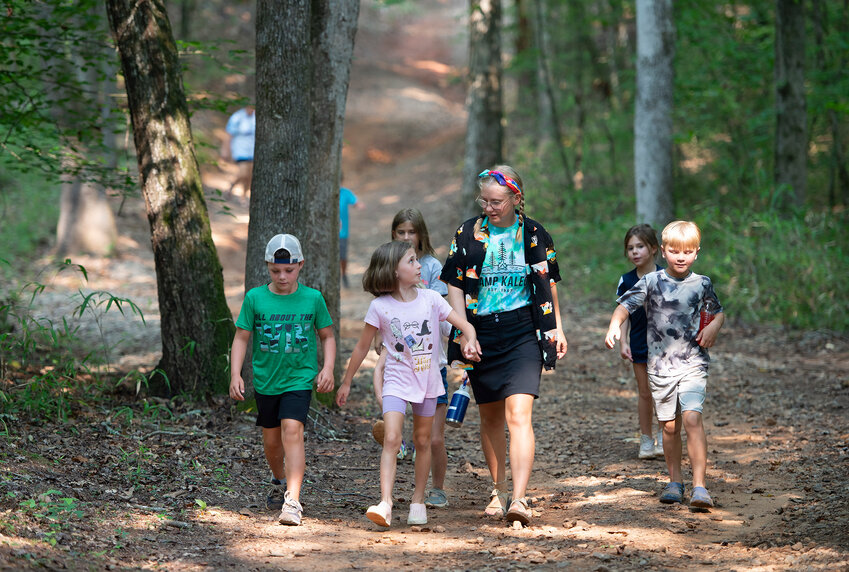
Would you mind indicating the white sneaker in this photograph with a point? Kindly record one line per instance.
(658, 446)
(418, 514)
(291, 512)
(380, 514)
(646, 447)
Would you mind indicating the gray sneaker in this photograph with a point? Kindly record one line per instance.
(436, 498)
(276, 495)
(291, 512)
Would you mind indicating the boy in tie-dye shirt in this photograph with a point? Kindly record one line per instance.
(674, 300)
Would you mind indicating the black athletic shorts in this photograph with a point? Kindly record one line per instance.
(289, 405)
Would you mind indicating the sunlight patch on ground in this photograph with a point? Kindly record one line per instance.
(431, 66)
(423, 96)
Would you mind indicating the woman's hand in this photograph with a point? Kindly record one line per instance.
(561, 344)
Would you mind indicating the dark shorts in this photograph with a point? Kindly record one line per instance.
(639, 357)
(511, 362)
(443, 399)
(343, 249)
(290, 405)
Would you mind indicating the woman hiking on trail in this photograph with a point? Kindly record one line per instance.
(501, 270)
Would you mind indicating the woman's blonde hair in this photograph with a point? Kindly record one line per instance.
(510, 173)
(414, 216)
(380, 278)
(681, 233)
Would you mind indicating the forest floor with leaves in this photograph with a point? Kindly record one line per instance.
(170, 484)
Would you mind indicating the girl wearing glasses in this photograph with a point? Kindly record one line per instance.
(501, 270)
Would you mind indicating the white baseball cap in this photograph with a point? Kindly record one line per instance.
(285, 242)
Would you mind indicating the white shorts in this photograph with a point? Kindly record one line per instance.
(673, 394)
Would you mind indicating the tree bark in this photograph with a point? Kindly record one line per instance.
(86, 223)
(304, 52)
(484, 99)
(280, 193)
(550, 115)
(197, 328)
(334, 26)
(791, 152)
(653, 112)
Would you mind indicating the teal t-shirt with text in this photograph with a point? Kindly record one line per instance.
(503, 280)
(285, 351)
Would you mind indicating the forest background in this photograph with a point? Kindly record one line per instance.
(779, 264)
(724, 138)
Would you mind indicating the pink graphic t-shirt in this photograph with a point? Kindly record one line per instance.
(411, 339)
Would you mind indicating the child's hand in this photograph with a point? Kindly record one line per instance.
(237, 388)
(324, 381)
(707, 337)
(472, 350)
(342, 394)
(612, 337)
(625, 352)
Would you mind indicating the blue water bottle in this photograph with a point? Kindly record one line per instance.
(459, 402)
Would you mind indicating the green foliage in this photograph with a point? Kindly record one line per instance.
(787, 268)
(55, 511)
(766, 267)
(48, 368)
(29, 208)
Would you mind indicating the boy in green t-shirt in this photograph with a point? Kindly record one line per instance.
(285, 318)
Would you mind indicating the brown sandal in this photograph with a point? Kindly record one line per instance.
(519, 511)
(497, 501)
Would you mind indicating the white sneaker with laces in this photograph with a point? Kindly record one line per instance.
(646, 447)
(291, 512)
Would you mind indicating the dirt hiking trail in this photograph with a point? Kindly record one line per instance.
(177, 486)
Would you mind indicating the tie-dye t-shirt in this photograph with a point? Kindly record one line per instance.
(504, 284)
(672, 311)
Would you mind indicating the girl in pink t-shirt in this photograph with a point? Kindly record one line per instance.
(408, 320)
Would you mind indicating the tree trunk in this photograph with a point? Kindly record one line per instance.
(197, 328)
(334, 25)
(653, 112)
(484, 101)
(304, 52)
(280, 193)
(791, 152)
(551, 115)
(86, 223)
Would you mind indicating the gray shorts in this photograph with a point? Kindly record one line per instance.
(673, 394)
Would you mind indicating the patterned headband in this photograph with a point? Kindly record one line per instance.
(502, 180)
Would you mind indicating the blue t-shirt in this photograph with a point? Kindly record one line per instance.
(639, 347)
(242, 129)
(346, 199)
(503, 281)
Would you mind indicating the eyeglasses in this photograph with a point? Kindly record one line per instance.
(495, 205)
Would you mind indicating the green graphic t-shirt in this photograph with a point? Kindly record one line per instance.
(285, 353)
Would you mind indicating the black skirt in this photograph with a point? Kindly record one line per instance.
(511, 362)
